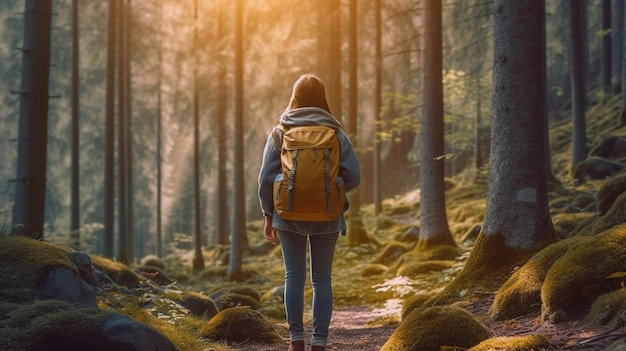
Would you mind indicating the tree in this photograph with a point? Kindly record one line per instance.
(607, 58)
(623, 116)
(517, 220)
(378, 106)
(159, 140)
(221, 203)
(434, 229)
(333, 86)
(577, 54)
(109, 168)
(198, 259)
(124, 255)
(75, 191)
(239, 216)
(30, 188)
(356, 232)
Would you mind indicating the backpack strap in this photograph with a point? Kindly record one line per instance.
(277, 135)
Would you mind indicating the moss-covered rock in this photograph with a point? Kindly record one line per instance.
(415, 269)
(614, 216)
(230, 300)
(415, 302)
(153, 261)
(521, 293)
(609, 310)
(374, 269)
(565, 224)
(609, 192)
(25, 263)
(120, 273)
(239, 324)
(391, 253)
(575, 280)
(514, 343)
(435, 327)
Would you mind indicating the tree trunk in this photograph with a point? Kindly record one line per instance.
(607, 58)
(109, 158)
(122, 251)
(159, 137)
(577, 54)
(617, 36)
(434, 229)
(356, 230)
(378, 203)
(75, 192)
(30, 188)
(517, 220)
(238, 234)
(334, 87)
(623, 116)
(221, 207)
(198, 259)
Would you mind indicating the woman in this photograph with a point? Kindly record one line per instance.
(307, 106)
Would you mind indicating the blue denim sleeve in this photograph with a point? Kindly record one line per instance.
(349, 168)
(270, 167)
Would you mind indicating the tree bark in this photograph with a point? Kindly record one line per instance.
(75, 192)
(30, 188)
(579, 138)
(109, 157)
(238, 233)
(334, 87)
(198, 259)
(221, 207)
(378, 206)
(434, 229)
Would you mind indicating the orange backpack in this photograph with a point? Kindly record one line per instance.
(309, 187)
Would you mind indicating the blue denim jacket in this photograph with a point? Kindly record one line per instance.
(349, 170)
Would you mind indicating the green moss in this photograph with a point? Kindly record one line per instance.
(565, 224)
(415, 302)
(435, 327)
(521, 293)
(575, 280)
(246, 290)
(119, 272)
(413, 270)
(374, 269)
(25, 263)
(614, 216)
(609, 192)
(237, 325)
(391, 253)
(183, 332)
(229, 300)
(609, 310)
(514, 343)
(489, 265)
(36, 326)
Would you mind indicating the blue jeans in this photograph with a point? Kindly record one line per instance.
(294, 255)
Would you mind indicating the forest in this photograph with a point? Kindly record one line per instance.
(491, 137)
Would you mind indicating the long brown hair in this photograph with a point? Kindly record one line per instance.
(308, 91)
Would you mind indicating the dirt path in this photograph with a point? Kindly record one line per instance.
(348, 332)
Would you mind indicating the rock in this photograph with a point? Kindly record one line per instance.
(62, 284)
(596, 168)
(125, 334)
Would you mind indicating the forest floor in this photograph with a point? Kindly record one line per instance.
(350, 332)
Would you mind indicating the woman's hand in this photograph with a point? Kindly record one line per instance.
(269, 231)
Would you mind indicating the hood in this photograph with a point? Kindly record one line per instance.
(306, 116)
